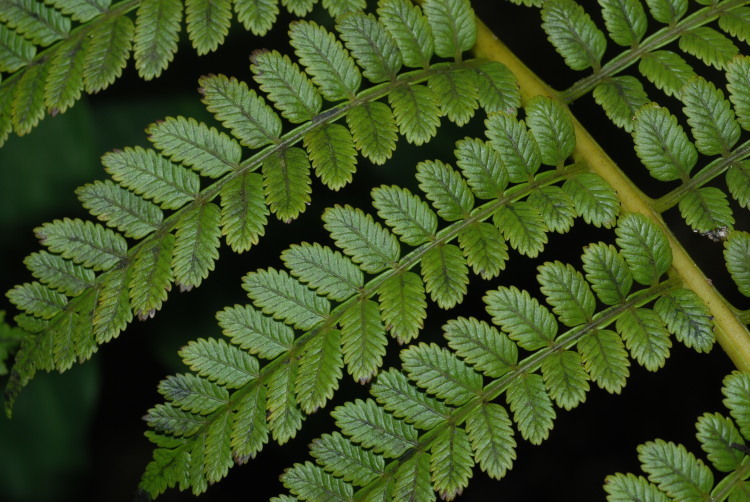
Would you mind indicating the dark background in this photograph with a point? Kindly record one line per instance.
(79, 435)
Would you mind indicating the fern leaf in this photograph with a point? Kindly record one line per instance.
(340, 457)
(706, 209)
(368, 424)
(338, 7)
(482, 346)
(6, 112)
(58, 273)
(38, 300)
(416, 112)
(531, 406)
(458, 94)
(27, 105)
(667, 70)
(445, 274)
(244, 213)
(605, 360)
(710, 116)
(735, 389)
(37, 22)
(483, 168)
(15, 51)
(565, 378)
(130, 214)
(252, 331)
(65, 77)
(399, 396)
(709, 46)
(625, 21)
(328, 271)
(555, 206)
(81, 10)
(737, 257)
(675, 470)
(205, 149)
(157, 28)
(241, 110)
(662, 144)
(518, 148)
(491, 434)
(567, 292)
(113, 312)
(441, 373)
(497, 89)
(413, 479)
(257, 16)
(286, 86)
(523, 226)
(218, 450)
(359, 236)
(484, 248)
(319, 371)
(410, 217)
(718, 435)
(89, 244)
(196, 468)
(446, 189)
(298, 7)
(573, 33)
(738, 81)
(363, 339)
(107, 53)
(410, 29)
(325, 59)
(688, 318)
(220, 362)
(735, 22)
(196, 246)
(630, 488)
(309, 482)
(371, 45)
(207, 23)
(286, 176)
(667, 11)
(374, 130)
(607, 272)
(621, 97)
(193, 394)
(283, 415)
(333, 155)
(167, 418)
(453, 26)
(151, 277)
(526, 321)
(552, 129)
(451, 462)
(645, 336)
(403, 305)
(644, 247)
(152, 176)
(281, 296)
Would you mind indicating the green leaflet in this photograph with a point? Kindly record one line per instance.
(484, 248)
(481, 345)
(283, 416)
(738, 81)
(735, 389)
(363, 339)
(491, 436)
(277, 294)
(667, 11)
(249, 431)
(27, 100)
(710, 116)
(89, 244)
(518, 148)
(607, 272)
(220, 362)
(621, 97)
(573, 33)
(342, 458)
(403, 305)
(552, 129)
(675, 470)
(207, 23)
(555, 206)
(453, 26)
(338, 7)
(458, 94)
(625, 21)
(526, 321)
(319, 371)
(399, 396)
(65, 76)
(446, 275)
(298, 7)
(451, 462)
(565, 379)
(482, 167)
(735, 22)
(371, 45)
(325, 59)
(523, 226)
(332, 153)
(416, 112)
(441, 373)
(157, 27)
(80, 10)
(737, 258)
(252, 331)
(327, 271)
(193, 394)
(410, 29)
(38, 22)
(662, 144)
(15, 51)
(709, 46)
(605, 360)
(531, 406)
(38, 300)
(410, 217)
(196, 245)
(413, 480)
(107, 53)
(567, 292)
(244, 213)
(497, 88)
(447, 190)
(629, 487)
(167, 418)
(286, 177)
(374, 130)
(644, 247)
(666, 70)
(309, 482)
(645, 336)
(151, 277)
(706, 209)
(194, 144)
(718, 435)
(57, 273)
(113, 313)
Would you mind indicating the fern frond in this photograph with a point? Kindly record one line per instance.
(573, 33)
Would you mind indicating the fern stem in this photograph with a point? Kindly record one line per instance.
(655, 41)
(732, 334)
(528, 365)
(711, 171)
